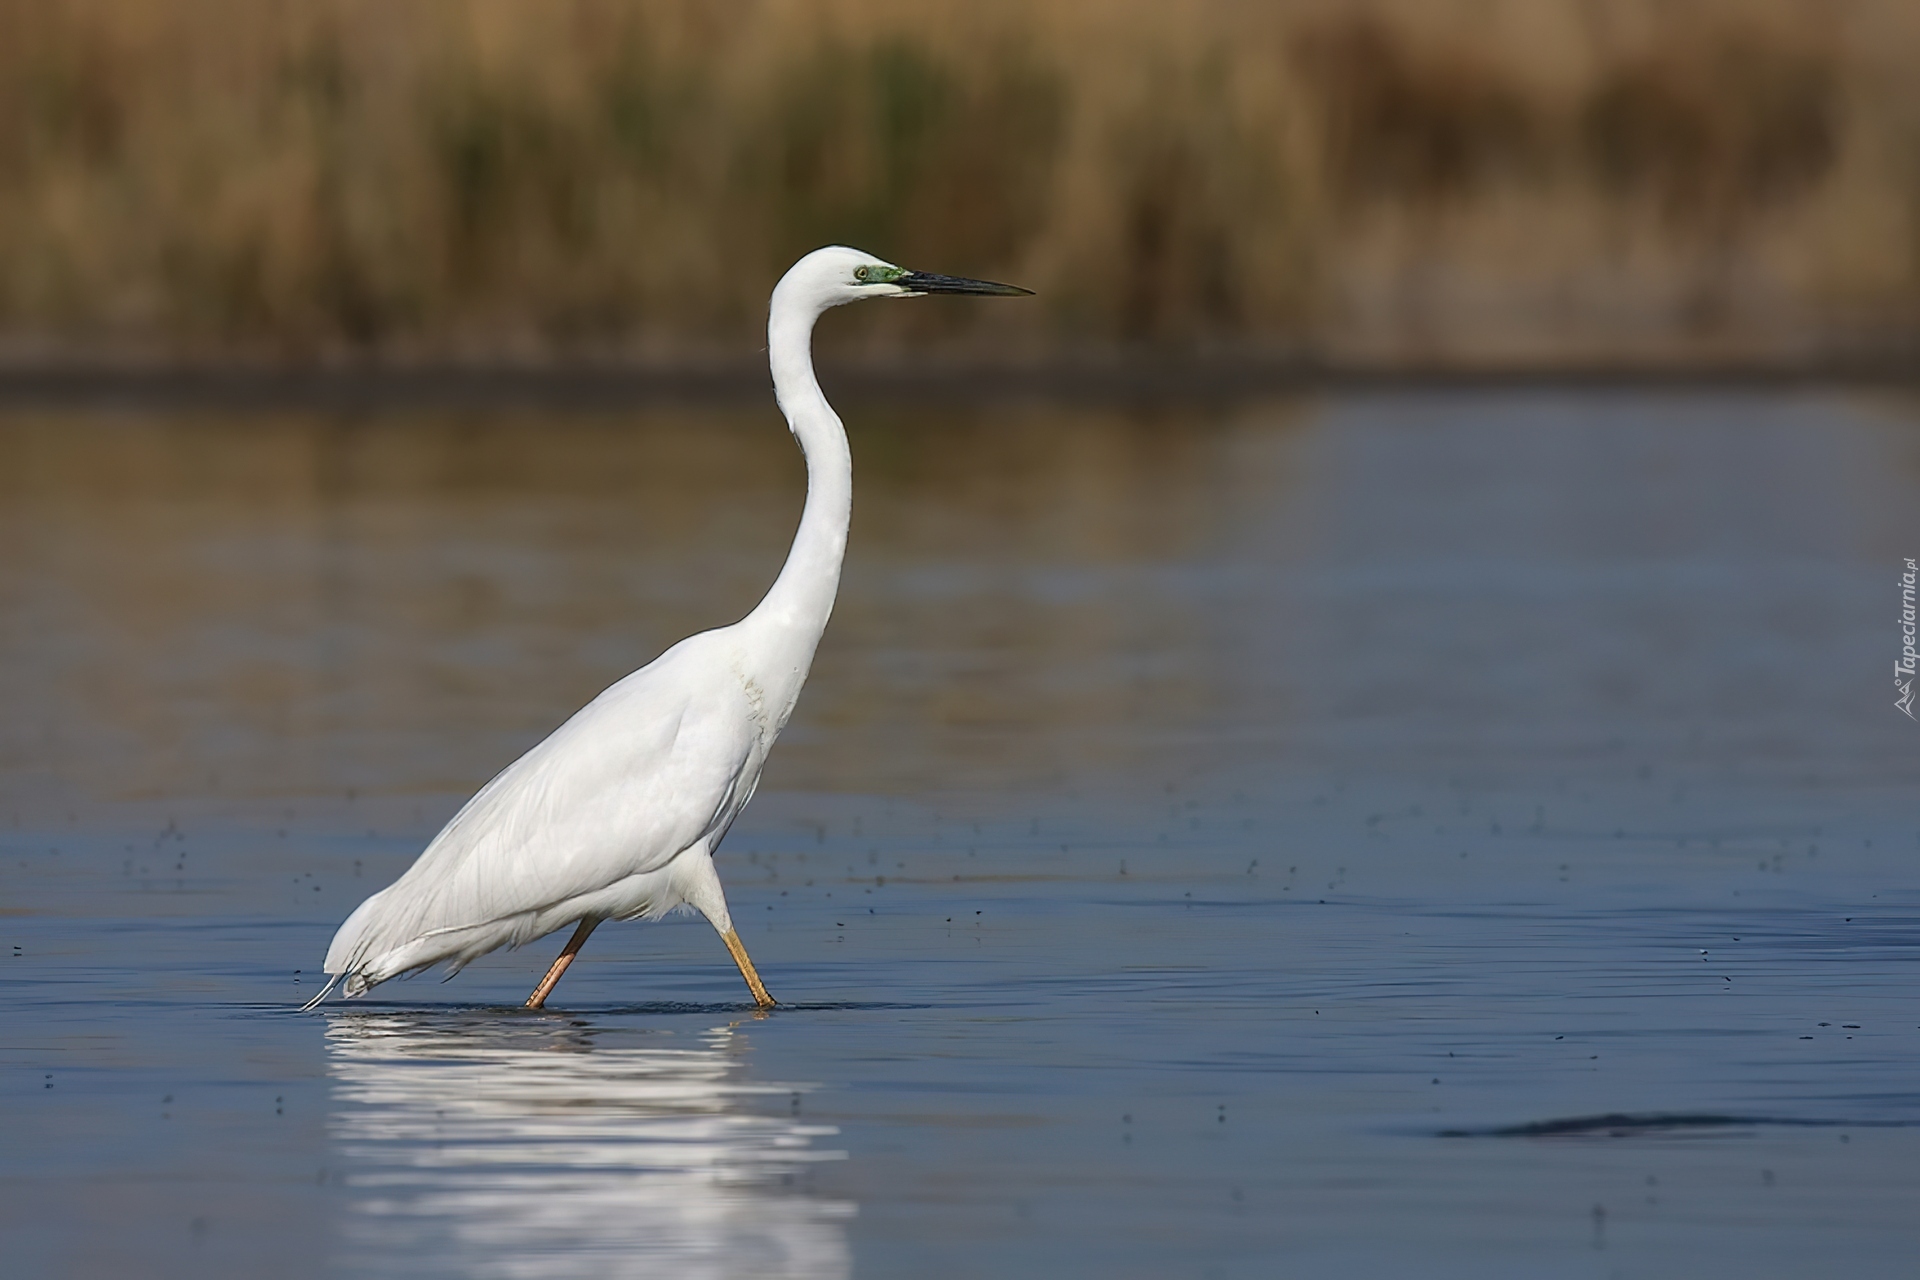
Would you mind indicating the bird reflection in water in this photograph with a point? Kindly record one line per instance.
(555, 1148)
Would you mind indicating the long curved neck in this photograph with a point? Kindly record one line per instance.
(801, 599)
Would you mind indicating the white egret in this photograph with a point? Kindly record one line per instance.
(616, 815)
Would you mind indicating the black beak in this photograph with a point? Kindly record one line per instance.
(927, 282)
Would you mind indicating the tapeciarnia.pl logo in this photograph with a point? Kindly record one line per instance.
(1903, 670)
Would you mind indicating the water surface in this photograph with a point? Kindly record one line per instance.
(1442, 834)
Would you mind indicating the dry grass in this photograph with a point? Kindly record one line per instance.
(1500, 180)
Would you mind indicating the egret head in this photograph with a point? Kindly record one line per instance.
(837, 275)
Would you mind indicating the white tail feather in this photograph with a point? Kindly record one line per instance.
(325, 991)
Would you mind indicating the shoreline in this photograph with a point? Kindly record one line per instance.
(1146, 379)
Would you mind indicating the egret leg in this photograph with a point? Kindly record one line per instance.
(739, 952)
(538, 1000)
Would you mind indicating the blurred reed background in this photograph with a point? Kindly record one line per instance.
(1468, 183)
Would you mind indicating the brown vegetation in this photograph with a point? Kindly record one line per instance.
(1499, 181)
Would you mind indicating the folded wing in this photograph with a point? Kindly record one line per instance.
(650, 768)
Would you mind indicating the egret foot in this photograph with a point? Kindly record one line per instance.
(739, 952)
(538, 1000)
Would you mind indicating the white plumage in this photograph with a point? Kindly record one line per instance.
(613, 816)
(616, 814)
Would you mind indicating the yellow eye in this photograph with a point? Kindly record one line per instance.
(859, 273)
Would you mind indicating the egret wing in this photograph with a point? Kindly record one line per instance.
(638, 775)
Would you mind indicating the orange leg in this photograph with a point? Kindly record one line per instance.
(739, 951)
(538, 1000)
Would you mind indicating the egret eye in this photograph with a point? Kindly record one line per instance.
(860, 273)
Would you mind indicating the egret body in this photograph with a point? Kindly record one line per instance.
(617, 814)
